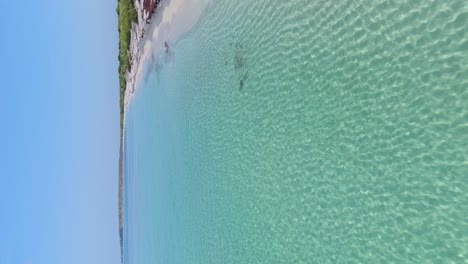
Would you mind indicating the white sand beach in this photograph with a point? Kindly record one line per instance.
(171, 20)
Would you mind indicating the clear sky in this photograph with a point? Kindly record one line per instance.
(59, 132)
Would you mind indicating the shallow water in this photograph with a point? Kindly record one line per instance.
(304, 132)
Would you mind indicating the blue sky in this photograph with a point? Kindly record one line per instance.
(59, 133)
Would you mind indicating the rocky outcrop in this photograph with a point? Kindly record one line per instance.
(145, 10)
(149, 7)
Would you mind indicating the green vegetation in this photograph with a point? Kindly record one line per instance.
(127, 14)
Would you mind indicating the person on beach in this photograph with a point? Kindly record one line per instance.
(170, 55)
(166, 46)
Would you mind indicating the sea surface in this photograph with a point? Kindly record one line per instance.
(303, 132)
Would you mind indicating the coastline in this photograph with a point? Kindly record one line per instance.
(170, 20)
(158, 21)
(145, 9)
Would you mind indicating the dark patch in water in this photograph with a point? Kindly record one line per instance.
(240, 56)
(242, 81)
(240, 62)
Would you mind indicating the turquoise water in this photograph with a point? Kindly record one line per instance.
(304, 132)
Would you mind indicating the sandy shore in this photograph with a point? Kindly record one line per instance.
(171, 19)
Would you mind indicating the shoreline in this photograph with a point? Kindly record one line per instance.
(158, 22)
(170, 20)
(145, 9)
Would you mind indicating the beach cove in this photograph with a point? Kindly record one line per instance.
(296, 132)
